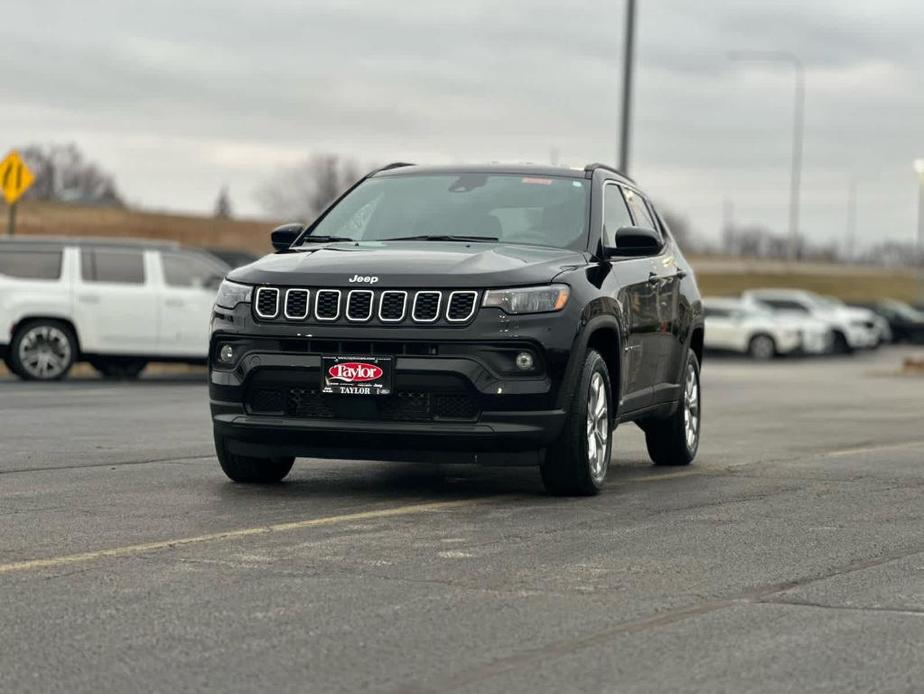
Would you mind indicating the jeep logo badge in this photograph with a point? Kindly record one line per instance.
(364, 279)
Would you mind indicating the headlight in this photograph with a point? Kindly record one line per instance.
(230, 294)
(552, 297)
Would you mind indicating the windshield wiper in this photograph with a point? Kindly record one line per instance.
(444, 237)
(325, 239)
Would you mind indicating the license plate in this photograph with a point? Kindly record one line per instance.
(356, 375)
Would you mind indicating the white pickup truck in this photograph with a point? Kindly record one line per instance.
(115, 303)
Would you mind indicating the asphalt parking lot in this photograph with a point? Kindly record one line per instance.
(790, 557)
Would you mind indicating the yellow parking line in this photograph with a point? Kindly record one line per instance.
(872, 449)
(129, 550)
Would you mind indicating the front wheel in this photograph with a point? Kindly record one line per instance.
(762, 348)
(577, 463)
(42, 350)
(250, 470)
(675, 440)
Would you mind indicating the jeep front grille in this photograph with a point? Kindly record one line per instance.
(327, 304)
(434, 307)
(359, 305)
(297, 304)
(461, 306)
(426, 307)
(267, 302)
(392, 306)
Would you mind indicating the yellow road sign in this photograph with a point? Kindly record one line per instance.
(15, 177)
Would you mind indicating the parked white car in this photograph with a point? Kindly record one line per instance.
(114, 303)
(879, 324)
(852, 329)
(748, 328)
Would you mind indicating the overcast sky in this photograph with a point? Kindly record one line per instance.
(177, 98)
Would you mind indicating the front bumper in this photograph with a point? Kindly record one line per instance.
(266, 403)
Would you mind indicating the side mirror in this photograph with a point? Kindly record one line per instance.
(283, 237)
(635, 241)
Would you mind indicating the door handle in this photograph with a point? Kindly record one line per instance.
(89, 298)
(175, 303)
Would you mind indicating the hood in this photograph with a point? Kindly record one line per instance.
(411, 264)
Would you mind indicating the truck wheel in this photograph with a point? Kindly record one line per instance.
(119, 368)
(577, 463)
(762, 348)
(249, 470)
(43, 350)
(675, 440)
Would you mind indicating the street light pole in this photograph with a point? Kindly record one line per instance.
(919, 246)
(627, 70)
(798, 134)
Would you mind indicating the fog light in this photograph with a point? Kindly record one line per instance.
(226, 354)
(524, 361)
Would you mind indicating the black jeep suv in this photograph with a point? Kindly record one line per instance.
(506, 315)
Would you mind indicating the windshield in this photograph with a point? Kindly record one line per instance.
(903, 310)
(538, 210)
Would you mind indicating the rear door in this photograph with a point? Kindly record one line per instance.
(188, 284)
(637, 294)
(116, 301)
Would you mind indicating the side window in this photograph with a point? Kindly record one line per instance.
(784, 305)
(615, 214)
(640, 210)
(30, 264)
(188, 270)
(112, 265)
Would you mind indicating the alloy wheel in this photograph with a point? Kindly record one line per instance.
(598, 428)
(45, 352)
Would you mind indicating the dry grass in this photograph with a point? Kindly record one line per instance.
(847, 286)
(716, 275)
(57, 219)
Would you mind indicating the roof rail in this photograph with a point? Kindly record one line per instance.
(389, 167)
(600, 165)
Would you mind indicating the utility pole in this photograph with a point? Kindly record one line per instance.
(628, 61)
(919, 246)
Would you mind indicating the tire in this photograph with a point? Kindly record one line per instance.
(249, 470)
(42, 350)
(119, 368)
(762, 348)
(675, 440)
(840, 345)
(575, 465)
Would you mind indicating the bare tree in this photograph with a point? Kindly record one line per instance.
(679, 227)
(63, 174)
(303, 191)
(223, 208)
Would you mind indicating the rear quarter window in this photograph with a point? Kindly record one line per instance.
(30, 264)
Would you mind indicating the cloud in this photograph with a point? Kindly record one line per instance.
(178, 98)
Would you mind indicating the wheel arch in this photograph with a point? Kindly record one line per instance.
(31, 317)
(696, 342)
(604, 335)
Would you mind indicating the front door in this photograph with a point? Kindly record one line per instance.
(637, 295)
(187, 294)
